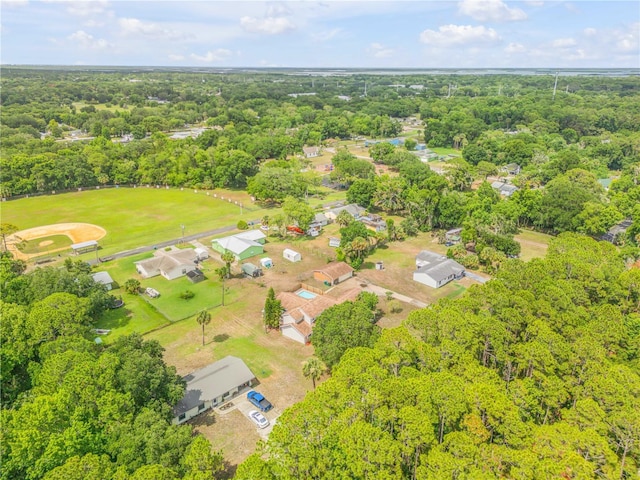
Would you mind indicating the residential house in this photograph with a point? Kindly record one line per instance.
(504, 189)
(355, 210)
(618, 231)
(170, 265)
(300, 313)
(435, 270)
(242, 245)
(105, 279)
(334, 273)
(311, 152)
(211, 386)
(374, 222)
(511, 169)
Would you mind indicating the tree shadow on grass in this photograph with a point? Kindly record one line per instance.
(220, 338)
(116, 318)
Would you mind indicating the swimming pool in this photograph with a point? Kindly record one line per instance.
(305, 294)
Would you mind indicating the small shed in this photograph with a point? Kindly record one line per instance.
(250, 270)
(266, 262)
(105, 279)
(195, 276)
(291, 255)
(334, 242)
(201, 253)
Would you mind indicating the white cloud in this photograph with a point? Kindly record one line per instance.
(380, 51)
(13, 3)
(86, 40)
(451, 35)
(268, 25)
(325, 35)
(564, 43)
(590, 32)
(217, 55)
(515, 48)
(175, 58)
(490, 11)
(534, 3)
(278, 10)
(133, 26)
(87, 8)
(628, 41)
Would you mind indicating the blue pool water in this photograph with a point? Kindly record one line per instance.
(305, 294)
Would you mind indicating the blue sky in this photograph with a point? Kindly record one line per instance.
(329, 33)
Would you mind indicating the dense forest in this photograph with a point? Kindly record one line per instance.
(534, 375)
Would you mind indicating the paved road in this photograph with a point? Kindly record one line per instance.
(167, 243)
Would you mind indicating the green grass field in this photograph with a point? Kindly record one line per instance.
(45, 244)
(134, 217)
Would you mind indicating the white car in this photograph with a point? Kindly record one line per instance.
(258, 419)
(152, 292)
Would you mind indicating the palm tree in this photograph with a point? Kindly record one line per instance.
(358, 247)
(313, 369)
(228, 258)
(222, 274)
(344, 218)
(203, 318)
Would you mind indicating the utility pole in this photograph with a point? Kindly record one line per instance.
(555, 86)
(182, 227)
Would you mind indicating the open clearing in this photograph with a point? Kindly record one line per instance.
(133, 217)
(42, 245)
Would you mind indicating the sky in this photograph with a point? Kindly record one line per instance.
(323, 34)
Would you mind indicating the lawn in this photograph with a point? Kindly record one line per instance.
(44, 244)
(533, 244)
(135, 217)
(137, 315)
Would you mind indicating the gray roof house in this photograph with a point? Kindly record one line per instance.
(504, 188)
(211, 386)
(105, 279)
(355, 210)
(435, 270)
(170, 265)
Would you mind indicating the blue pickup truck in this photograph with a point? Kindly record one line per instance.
(259, 401)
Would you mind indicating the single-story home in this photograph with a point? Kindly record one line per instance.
(170, 265)
(291, 255)
(242, 245)
(435, 270)
(374, 222)
(300, 313)
(251, 270)
(104, 279)
(618, 231)
(334, 273)
(211, 386)
(311, 152)
(511, 169)
(504, 188)
(355, 210)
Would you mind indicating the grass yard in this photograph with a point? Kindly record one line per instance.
(137, 315)
(135, 217)
(44, 244)
(533, 244)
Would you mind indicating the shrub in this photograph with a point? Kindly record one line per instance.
(187, 295)
(242, 225)
(394, 306)
(132, 286)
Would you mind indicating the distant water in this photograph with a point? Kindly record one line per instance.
(335, 72)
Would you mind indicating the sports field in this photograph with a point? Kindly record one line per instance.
(135, 217)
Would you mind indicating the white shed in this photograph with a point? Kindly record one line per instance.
(291, 255)
(202, 253)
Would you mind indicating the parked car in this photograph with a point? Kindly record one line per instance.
(259, 401)
(259, 419)
(152, 292)
(448, 244)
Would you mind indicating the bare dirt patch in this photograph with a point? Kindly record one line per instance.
(77, 232)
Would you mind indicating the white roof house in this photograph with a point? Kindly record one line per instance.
(212, 385)
(435, 270)
(170, 265)
(353, 209)
(243, 245)
(254, 235)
